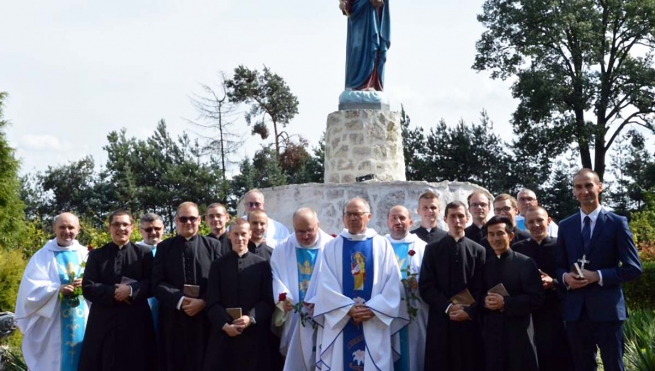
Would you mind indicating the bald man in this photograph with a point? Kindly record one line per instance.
(357, 296)
(526, 199)
(52, 340)
(409, 249)
(293, 264)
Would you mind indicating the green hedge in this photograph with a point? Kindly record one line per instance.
(640, 293)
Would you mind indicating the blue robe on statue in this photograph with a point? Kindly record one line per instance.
(369, 38)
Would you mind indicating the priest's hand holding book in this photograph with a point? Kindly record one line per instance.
(457, 313)
(122, 292)
(192, 306)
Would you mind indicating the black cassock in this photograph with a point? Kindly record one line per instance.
(475, 233)
(553, 351)
(505, 333)
(434, 235)
(449, 267)
(118, 336)
(263, 250)
(240, 282)
(178, 262)
(519, 235)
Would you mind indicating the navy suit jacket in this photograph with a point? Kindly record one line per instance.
(612, 252)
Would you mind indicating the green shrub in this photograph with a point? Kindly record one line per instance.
(640, 341)
(640, 293)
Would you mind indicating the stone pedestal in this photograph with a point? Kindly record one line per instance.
(359, 142)
(329, 200)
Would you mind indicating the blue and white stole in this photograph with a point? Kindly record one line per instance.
(71, 312)
(357, 284)
(401, 250)
(305, 260)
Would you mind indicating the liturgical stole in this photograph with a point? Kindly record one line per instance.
(357, 284)
(305, 258)
(71, 312)
(401, 250)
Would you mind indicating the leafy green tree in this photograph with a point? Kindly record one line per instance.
(11, 207)
(315, 166)
(270, 99)
(414, 143)
(583, 69)
(557, 195)
(469, 153)
(269, 170)
(242, 182)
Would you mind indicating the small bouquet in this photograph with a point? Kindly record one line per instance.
(299, 308)
(73, 299)
(410, 294)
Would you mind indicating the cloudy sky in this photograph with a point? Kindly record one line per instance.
(76, 70)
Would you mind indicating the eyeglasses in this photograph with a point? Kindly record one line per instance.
(184, 219)
(254, 204)
(150, 229)
(356, 214)
(505, 209)
(304, 232)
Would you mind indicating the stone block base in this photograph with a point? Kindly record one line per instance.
(362, 142)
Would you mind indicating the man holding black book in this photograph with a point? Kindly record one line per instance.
(451, 283)
(239, 306)
(119, 334)
(513, 291)
(179, 276)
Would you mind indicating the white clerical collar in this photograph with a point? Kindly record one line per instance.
(121, 246)
(257, 243)
(54, 246)
(410, 238)
(431, 228)
(457, 239)
(592, 215)
(358, 237)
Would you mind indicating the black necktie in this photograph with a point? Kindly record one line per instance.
(586, 233)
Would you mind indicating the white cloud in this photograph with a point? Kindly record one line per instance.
(33, 142)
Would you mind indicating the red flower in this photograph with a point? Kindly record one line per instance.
(90, 248)
(282, 296)
(411, 253)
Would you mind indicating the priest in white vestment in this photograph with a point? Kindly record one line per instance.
(409, 250)
(293, 264)
(49, 310)
(358, 297)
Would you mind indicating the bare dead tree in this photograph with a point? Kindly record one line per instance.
(217, 118)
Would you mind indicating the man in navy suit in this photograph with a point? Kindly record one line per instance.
(601, 244)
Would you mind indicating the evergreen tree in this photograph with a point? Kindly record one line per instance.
(12, 221)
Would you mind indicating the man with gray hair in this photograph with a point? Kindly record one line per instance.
(276, 232)
(293, 264)
(52, 340)
(357, 302)
(151, 227)
(526, 199)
